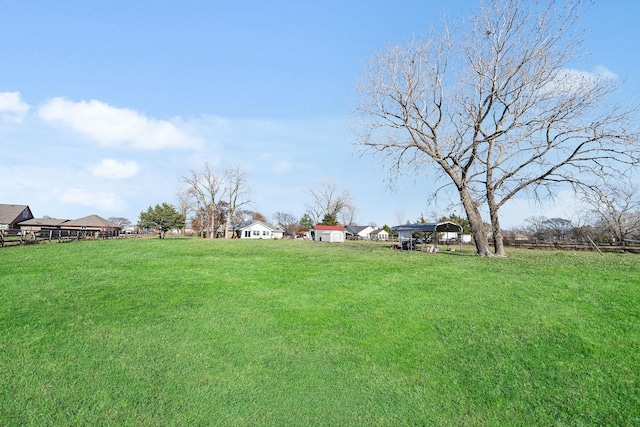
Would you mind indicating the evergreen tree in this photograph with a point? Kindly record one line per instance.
(329, 220)
(162, 218)
(305, 222)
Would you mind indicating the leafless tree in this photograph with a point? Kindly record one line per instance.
(287, 221)
(491, 107)
(120, 221)
(348, 215)
(558, 228)
(615, 207)
(327, 199)
(185, 202)
(534, 225)
(206, 189)
(237, 191)
(254, 215)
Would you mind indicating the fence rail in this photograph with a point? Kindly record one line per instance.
(631, 246)
(18, 237)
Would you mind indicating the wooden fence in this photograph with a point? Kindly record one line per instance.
(18, 237)
(630, 246)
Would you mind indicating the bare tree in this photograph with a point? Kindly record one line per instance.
(206, 189)
(615, 209)
(328, 200)
(236, 189)
(492, 106)
(348, 214)
(534, 225)
(287, 221)
(254, 215)
(120, 221)
(185, 200)
(558, 228)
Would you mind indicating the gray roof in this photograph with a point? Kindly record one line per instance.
(91, 221)
(439, 227)
(11, 213)
(355, 229)
(378, 231)
(246, 224)
(43, 222)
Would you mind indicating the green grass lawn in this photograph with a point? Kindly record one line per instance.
(197, 332)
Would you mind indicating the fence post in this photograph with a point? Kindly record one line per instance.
(1, 238)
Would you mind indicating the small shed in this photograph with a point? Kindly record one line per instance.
(328, 233)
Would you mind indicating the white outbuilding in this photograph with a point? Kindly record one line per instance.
(328, 233)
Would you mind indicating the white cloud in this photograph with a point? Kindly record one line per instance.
(99, 200)
(12, 108)
(570, 80)
(114, 169)
(111, 126)
(605, 73)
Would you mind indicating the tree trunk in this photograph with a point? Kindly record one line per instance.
(477, 225)
(230, 212)
(212, 222)
(498, 239)
(226, 229)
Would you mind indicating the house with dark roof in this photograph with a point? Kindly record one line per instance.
(366, 232)
(357, 232)
(11, 215)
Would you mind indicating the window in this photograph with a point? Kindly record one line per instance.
(256, 232)
(265, 233)
(25, 213)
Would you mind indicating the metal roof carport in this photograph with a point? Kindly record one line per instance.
(441, 227)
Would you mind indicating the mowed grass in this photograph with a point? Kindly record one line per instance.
(198, 332)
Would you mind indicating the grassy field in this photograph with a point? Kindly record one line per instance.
(196, 332)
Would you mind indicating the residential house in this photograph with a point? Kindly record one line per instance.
(379, 234)
(359, 231)
(328, 233)
(257, 230)
(11, 215)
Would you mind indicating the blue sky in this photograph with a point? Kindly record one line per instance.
(105, 105)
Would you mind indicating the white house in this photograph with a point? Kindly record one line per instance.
(328, 233)
(379, 234)
(257, 230)
(360, 231)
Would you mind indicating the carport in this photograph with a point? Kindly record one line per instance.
(408, 242)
